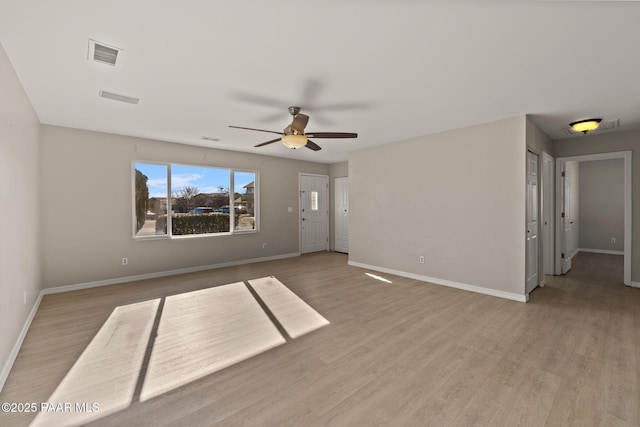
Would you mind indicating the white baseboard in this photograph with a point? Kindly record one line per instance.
(119, 280)
(444, 282)
(16, 347)
(48, 291)
(634, 284)
(601, 251)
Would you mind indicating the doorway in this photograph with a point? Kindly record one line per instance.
(314, 213)
(564, 239)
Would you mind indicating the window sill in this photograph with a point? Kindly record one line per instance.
(193, 236)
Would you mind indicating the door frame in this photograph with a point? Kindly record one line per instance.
(626, 155)
(300, 175)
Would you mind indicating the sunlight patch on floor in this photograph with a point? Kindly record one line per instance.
(107, 371)
(205, 331)
(380, 278)
(149, 348)
(295, 315)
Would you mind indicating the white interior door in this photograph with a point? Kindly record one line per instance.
(548, 213)
(341, 218)
(314, 213)
(566, 218)
(532, 222)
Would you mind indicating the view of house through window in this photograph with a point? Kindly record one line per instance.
(203, 200)
(244, 184)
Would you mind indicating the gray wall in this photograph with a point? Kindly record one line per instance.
(457, 198)
(537, 140)
(612, 142)
(20, 212)
(602, 205)
(87, 208)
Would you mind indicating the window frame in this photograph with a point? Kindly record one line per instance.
(133, 200)
(169, 235)
(256, 201)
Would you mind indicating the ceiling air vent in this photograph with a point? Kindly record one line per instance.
(116, 97)
(103, 53)
(604, 125)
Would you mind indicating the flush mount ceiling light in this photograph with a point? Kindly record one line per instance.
(294, 141)
(585, 126)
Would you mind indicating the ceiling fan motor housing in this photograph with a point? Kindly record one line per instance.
(293, 110)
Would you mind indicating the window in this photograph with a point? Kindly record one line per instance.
(150, 199)
(245, 203)
(180, 200)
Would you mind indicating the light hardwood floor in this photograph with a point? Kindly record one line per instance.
(400, 353)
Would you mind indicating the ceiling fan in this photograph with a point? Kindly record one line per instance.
(294, 136)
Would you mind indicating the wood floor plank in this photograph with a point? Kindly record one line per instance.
(399, 353)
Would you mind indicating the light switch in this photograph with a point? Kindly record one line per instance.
(289, 209)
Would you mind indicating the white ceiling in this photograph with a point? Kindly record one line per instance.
(387, 70)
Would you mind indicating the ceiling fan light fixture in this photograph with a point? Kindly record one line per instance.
(585, 126)
(294, 141)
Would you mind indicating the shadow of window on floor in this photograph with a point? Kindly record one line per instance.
(149, 348)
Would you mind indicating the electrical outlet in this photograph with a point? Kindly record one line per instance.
(264, 246)
(613, 240)
(125, 261)
(421, 259)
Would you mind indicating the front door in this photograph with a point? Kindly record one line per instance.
(314, 213)
(532, 222)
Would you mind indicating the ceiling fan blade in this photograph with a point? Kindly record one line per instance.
(331, 135)
(313, 146)
(259, 100)
(344, 106)
(259, 130)
(299, 122)
(268, 142)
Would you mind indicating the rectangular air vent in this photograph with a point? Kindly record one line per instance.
(103, 53)
(116, 97)
(604, 125)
